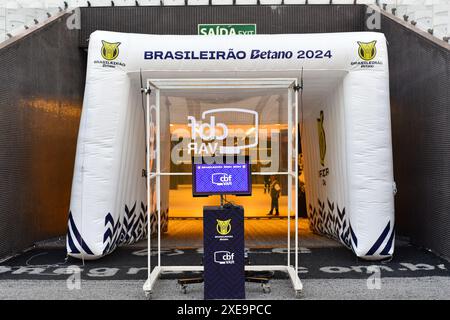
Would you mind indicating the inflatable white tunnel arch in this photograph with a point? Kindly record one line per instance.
(349, 174)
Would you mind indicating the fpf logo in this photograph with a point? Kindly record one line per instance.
(367, 50)
(223, 227)
(322, 138)
(110, 51)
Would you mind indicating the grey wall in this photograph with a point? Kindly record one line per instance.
(41, 88)
(420, 109)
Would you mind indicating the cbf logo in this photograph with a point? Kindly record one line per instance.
(223, 227)
(224, 257)
(212, 133)
(221, 179)
(367, 51)
(322, 147)
(110, 52)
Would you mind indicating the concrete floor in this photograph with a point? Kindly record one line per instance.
(428, 276)
(314, 289)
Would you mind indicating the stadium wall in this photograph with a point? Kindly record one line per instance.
(419, 67)
(181, 20)
(41, 88)
(37, 149)
(42, 78)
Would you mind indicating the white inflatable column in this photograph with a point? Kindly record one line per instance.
(369, 161)
(97, 165)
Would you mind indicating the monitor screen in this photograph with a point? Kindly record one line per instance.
(221, 178)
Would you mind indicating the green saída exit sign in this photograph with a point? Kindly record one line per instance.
(226, 29)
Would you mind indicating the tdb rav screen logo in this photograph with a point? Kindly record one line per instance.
(224, 257)
(221, 179)
(213, 132)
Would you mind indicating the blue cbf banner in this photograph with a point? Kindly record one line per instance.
(223, 232)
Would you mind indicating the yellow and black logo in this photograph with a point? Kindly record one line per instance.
(223, 227)
(322, 139)
(110, 51)
(367, 50)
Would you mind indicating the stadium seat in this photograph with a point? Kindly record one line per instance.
(52, 5)
(423, 17)
(30, 15)
(149, 2)
(441, 20)
(124, 3)
(246, 2)
(400, 10)
(2, 24)
(14, 18)
(173, 2)
(318, 1)
(10, 4)
(343, 1)
(32, 4)
(270, 2)
(38, 4)
(222, 2)
(55, 3)
(198, 2)
(15, 21)
(101, 3)
(77, 3)
(294, 1)
(365, 1)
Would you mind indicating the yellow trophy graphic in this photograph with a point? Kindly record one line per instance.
(367, 50)
(322, 139)
(224, 227)
(110, 51)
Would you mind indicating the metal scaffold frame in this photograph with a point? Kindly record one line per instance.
(154, 87)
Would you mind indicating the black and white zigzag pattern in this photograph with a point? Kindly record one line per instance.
(112, 235)
(74, 240)
(132, 228)
(328, 219)
(387, 235)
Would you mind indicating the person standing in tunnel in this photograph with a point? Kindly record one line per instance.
(301, 189)
(275, 191)
(266, 184)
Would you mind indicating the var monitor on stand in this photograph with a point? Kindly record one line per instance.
(224, 257)
(232, 177)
